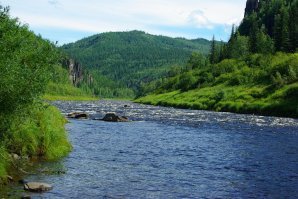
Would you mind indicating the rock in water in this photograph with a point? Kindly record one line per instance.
(37, 187)
(112, 117)
(78, 115)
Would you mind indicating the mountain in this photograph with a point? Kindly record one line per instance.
(121, 61)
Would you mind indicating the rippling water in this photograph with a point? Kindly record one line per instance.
(174, 153)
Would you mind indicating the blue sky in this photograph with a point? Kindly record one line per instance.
(70, 20)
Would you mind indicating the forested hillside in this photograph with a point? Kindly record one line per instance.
(121, 61)
(255, 72)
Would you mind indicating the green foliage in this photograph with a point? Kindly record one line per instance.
(38, 131)
(196, 60)
(27, 64)
(66, 89)
(3, 162)
(261, 83)
(274, 23)
(122, 61)
(186, 81)
(214, 54)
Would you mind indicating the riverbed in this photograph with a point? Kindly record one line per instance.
(172, 153)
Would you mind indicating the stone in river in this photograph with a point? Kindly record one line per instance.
(112, 117)
(78, 115)
(37, 186)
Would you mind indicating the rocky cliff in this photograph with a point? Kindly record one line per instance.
(251, 6)
(77, 74)
(75, 71)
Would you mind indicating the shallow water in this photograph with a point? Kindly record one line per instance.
(174, 153)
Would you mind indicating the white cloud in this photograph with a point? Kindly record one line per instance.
(53, 2)
(121, 15)
(198, 18)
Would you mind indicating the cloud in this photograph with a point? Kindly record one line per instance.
(95, 16)
(53, 2)
(198, 19)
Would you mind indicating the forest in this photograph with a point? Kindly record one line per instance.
(122, 61)
(254, 72)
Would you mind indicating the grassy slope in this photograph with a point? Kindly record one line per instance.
(238, 99)
(56, 91)
(251, 97)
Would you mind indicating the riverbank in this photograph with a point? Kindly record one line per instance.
(69, 98)
(35, 133)
(236, 99)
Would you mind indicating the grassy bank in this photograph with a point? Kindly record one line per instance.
(29, 129)
(237, 99)
(35, 132)
(67, 92)
(69, 98)
(258, 84)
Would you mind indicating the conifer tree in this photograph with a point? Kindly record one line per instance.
(213, 52)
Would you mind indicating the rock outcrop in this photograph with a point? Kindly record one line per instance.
(75, 71)
(251, 6)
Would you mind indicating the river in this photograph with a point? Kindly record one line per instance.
(173, 153)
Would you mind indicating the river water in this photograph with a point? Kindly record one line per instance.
(174, 153)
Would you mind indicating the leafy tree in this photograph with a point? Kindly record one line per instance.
(197, 60)
(26, 62)
(264, 44)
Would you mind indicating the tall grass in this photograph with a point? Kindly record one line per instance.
(35, 132)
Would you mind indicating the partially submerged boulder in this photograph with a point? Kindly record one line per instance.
(78, 115)
(37, 187)
(112, 117)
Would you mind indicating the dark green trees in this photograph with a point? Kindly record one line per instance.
(271, 22)
(213, 56)
(121, 62)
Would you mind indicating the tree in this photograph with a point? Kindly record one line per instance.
(196, 60)
(293, 26)
(253, 34)
(213, 55)
(264, 44)
(26, 61)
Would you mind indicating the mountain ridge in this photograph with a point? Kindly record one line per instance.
(128, 59)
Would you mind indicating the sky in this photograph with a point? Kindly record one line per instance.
(67, 21)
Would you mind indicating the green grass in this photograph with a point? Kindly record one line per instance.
(36, 132)
(69, 98)
(3, 162)
(67, 92)
(257, 84)
(238, 99)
